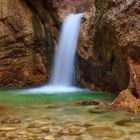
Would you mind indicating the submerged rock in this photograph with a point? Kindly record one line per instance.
(71, 131)
(85, 103)
(2, 107)
(98, 110)
(105, 132)
(10, 119)
(126, 122)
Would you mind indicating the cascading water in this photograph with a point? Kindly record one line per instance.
(61, 79)
(63, 69)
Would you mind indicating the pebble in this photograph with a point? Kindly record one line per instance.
(6, 128)
(44, 129)
(37, 124)
(71, 131)
(11, 135)
(49, 137)
(34, 131)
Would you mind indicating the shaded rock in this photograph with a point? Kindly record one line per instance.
(10, 119)
(85, 103)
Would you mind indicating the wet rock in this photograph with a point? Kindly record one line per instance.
(71, 131)
(11, 119)
(105, 132)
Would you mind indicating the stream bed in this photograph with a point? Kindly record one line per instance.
(64, 117)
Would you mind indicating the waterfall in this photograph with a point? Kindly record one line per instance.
(63, 69)
(62, 76)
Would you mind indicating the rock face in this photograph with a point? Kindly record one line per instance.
(111, 61)
(109, 51)
(22, 42)
(28, 29)
(127, 101)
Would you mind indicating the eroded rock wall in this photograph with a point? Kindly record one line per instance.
(22, 43)
(28, 30)
(109, 51)
(111, 60)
